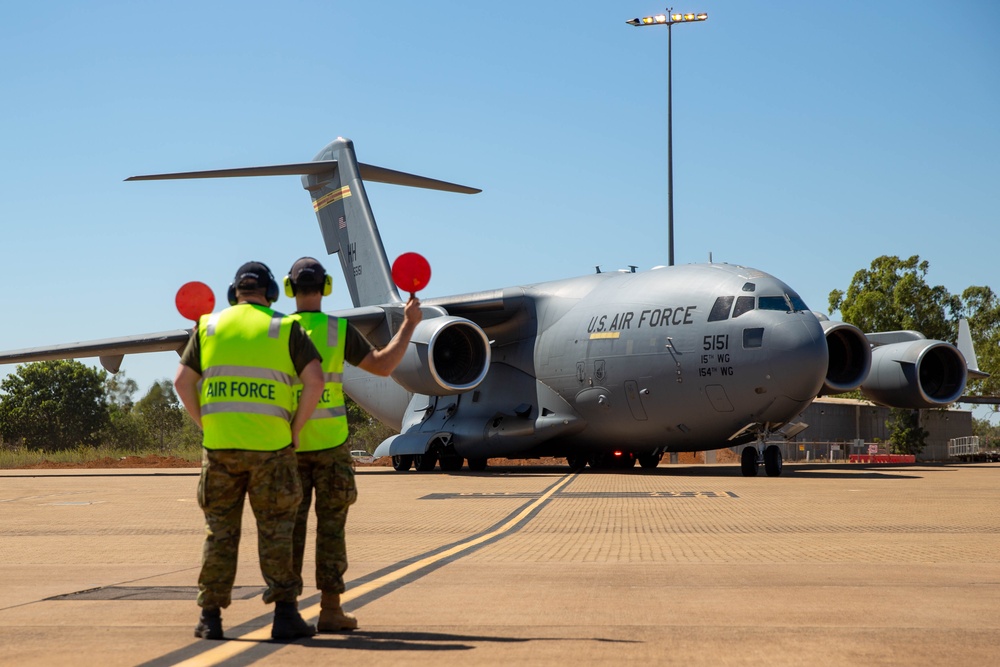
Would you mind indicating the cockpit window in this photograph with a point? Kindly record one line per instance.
(797, 303)
(749, 287)
(773, 303)
(744, 304)
(790, 303)
(720, 311)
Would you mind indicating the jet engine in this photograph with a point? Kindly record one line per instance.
(850, 357)
(916, 374)
(446, 355)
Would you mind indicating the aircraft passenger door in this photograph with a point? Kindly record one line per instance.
(635, 400)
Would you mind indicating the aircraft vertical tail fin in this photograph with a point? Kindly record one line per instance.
(348, 225)
(335, 181)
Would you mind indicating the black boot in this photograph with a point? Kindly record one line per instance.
(288, 624)
(209, 625)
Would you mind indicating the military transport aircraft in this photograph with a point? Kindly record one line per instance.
(604, 369)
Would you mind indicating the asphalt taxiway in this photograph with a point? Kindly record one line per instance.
(694, 565)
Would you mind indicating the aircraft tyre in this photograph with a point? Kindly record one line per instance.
(425, 462)
(401, 462)
(772, 461)
(451, 463)
(577, 462)
(478, 465)
(748, 461)
(649, 460)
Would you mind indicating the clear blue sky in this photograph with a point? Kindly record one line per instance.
(809, 138)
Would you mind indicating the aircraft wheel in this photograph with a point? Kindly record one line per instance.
(772, 461)
(401, 463)
(748, 461)
(649, 460)
(478, 465)
(577, 462)
(451, 463)
(425, 463)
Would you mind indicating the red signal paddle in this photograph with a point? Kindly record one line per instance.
(411, 272)
(194, 299)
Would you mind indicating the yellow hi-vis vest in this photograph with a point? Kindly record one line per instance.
(327, 428)
(247, 375)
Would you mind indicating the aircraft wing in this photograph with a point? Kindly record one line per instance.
(371, 321)
(980, 400)
(110, 350)
(502, 313)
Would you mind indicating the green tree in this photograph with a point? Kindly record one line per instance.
(989, 433)
(893, 294)
(366, 432)
(53, 405)
(906, 436)
(160, 413)
(119, 390)
(125, 431)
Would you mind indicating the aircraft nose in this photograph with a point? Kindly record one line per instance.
(798, 356)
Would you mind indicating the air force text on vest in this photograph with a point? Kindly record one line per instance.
(325, 398)
(240, 389)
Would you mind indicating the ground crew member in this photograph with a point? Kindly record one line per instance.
(235, 380)
(324, 465)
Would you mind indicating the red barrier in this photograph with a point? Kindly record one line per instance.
(883, 458)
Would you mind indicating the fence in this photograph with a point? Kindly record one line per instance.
(823, 451)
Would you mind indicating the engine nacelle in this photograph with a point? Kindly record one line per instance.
(850, 357)
(446, 355)
(916, 374)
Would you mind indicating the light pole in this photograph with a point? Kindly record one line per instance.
(669, 19)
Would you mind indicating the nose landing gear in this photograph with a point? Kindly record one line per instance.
(754, 455)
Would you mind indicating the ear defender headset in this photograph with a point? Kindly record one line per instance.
(290, 285)
(270, 293)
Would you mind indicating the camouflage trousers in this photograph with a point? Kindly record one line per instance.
(271, 481)
(330, 473)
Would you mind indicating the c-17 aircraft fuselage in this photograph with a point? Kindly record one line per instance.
(674, 359)
(604, 369)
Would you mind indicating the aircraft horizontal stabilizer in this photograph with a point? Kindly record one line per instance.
(368, 172)
(297, 169)
(382, 175)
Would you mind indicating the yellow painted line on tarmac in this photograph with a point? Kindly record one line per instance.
(245, 642)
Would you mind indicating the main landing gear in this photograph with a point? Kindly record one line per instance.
(752, 456)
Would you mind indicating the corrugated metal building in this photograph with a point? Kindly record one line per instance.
(838, 426)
